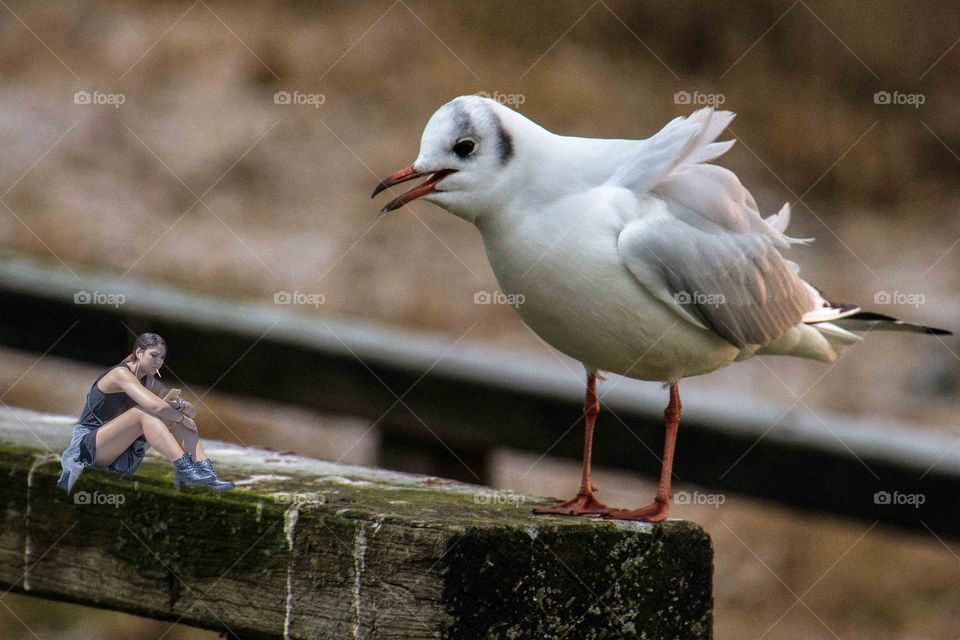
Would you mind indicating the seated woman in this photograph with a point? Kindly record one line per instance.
(125, 414)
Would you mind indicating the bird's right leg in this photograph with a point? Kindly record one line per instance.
(584, 503)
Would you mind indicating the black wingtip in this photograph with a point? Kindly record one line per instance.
(880, 317)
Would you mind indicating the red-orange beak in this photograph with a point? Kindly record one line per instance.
(420, 190)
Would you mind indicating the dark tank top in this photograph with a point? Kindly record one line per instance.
(100, 408)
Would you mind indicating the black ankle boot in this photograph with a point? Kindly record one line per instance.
(188, 473)
(218, 485)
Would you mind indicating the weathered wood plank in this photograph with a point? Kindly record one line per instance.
(311, 549)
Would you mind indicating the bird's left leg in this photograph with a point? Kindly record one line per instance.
(584, 503)
(660, 507)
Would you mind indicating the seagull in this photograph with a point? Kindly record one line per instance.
(636, 257)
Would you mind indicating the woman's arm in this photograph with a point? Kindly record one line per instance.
(124, 380)
(160, 390)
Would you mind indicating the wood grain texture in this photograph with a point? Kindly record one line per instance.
(310, 549)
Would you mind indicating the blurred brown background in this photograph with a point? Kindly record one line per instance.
(145, 140)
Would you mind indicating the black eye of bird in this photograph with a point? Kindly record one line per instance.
(464, 147)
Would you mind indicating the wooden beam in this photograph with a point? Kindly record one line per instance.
(311, 549)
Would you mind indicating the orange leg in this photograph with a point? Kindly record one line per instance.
(583, 503)
(660, 507)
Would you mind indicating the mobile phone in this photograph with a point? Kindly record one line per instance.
(173, 394)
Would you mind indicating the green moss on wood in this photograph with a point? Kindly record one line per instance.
(610, 580)
(359, 555)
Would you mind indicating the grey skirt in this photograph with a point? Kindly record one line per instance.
(82, 451)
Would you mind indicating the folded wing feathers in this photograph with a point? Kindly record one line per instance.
(658, 157)
(678, 149)
(737, 284)
(683, 140)
(737, 250)
(767, 294)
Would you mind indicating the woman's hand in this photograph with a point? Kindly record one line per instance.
(188, 408)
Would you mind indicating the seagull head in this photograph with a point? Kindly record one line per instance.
(468, 154)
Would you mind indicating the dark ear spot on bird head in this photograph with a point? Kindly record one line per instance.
(465, 130)
(504, 141)
(462, 124)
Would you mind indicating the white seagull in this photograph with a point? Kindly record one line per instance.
(636, 257)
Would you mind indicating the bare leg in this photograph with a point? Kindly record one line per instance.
(584, 502)
(115, 436)
(189, 440)
(660, 507)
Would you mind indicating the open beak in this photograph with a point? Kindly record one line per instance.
(420, 190)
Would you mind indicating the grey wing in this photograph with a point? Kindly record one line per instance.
(734, 283)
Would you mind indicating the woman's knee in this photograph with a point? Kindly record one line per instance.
(148, 419)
